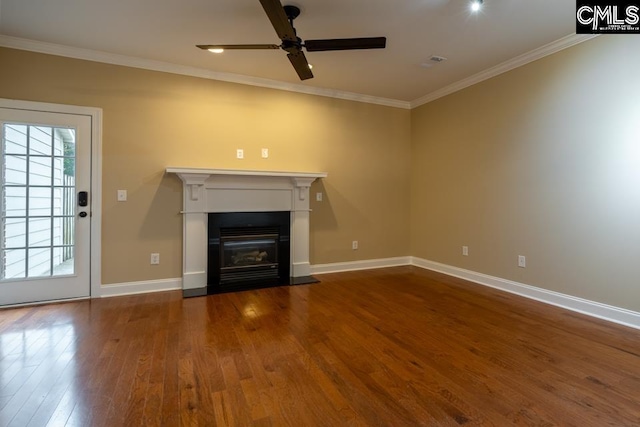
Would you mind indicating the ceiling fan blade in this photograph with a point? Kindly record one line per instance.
(238, 46)
(345, 44)
(279, 20)
(299, 62)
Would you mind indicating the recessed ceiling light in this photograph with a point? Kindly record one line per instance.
(476, 5)
(216, 50)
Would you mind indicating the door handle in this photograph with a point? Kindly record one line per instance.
(82, 214)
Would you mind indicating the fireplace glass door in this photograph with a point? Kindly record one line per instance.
(248, 257)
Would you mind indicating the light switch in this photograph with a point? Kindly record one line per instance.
(318, 197)
(122, 195)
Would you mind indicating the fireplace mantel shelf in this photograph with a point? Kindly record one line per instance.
(239, 172)
(195, 178)
(208, 191)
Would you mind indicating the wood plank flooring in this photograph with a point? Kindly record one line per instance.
(388, 347)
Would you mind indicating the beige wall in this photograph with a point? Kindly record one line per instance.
(543, 161)
(154, 120)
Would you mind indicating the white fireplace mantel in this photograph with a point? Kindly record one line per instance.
(225, 190)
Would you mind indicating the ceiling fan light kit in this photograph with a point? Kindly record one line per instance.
(281, 18)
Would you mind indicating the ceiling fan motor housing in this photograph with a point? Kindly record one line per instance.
(292, 11)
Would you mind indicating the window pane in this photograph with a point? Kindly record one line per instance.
(58, 201)
(40, 140)
(70, 144)
(14, 260)
(63, 171)
(39, 201)
(68, 230)
(15, 170)
(40, 172)
(15, 139)
(58, 229)
(58, 170)
(15, 231)
(15, 201)
(63, 262)
(39, 262)
(39, 232)
(58, 141)
(68, 170)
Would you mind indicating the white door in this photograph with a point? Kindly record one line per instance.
(45, 211)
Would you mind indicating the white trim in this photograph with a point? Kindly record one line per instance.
(590, 308)
(46, 302)
(518, 61)
(368, 264)
(96, 173)
(166, 67)
(96, 202)
(144, 287)
(240, 172)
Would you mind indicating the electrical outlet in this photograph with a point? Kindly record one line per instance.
(240, 153)
(465, 250)
(122, 195)
(354, 245)
(265, 153)
(318, 197)
(522, 261)
(155, 259)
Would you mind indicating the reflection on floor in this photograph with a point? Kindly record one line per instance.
(395, 347)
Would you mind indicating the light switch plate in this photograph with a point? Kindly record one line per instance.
(122, 195)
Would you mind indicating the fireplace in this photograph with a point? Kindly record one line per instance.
(213, 191)
(248, 250)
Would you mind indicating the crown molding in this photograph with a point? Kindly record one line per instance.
(518, 61)
(166, 67)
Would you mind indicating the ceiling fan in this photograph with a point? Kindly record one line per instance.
(281, 18)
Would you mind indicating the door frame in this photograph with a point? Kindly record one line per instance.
(95, 114)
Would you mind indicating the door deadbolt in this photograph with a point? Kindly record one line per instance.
(83, 198)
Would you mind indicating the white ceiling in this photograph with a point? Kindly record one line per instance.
(168, 30)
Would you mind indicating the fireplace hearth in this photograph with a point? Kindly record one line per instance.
(248, 250)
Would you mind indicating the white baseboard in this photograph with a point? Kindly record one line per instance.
(590, 308)
(580, 305)
(369, 264)
(132, 288)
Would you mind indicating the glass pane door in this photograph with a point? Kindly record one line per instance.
(45, 236)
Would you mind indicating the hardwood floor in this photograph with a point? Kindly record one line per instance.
(394, 347)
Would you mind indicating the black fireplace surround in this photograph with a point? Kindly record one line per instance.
(248, 250)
